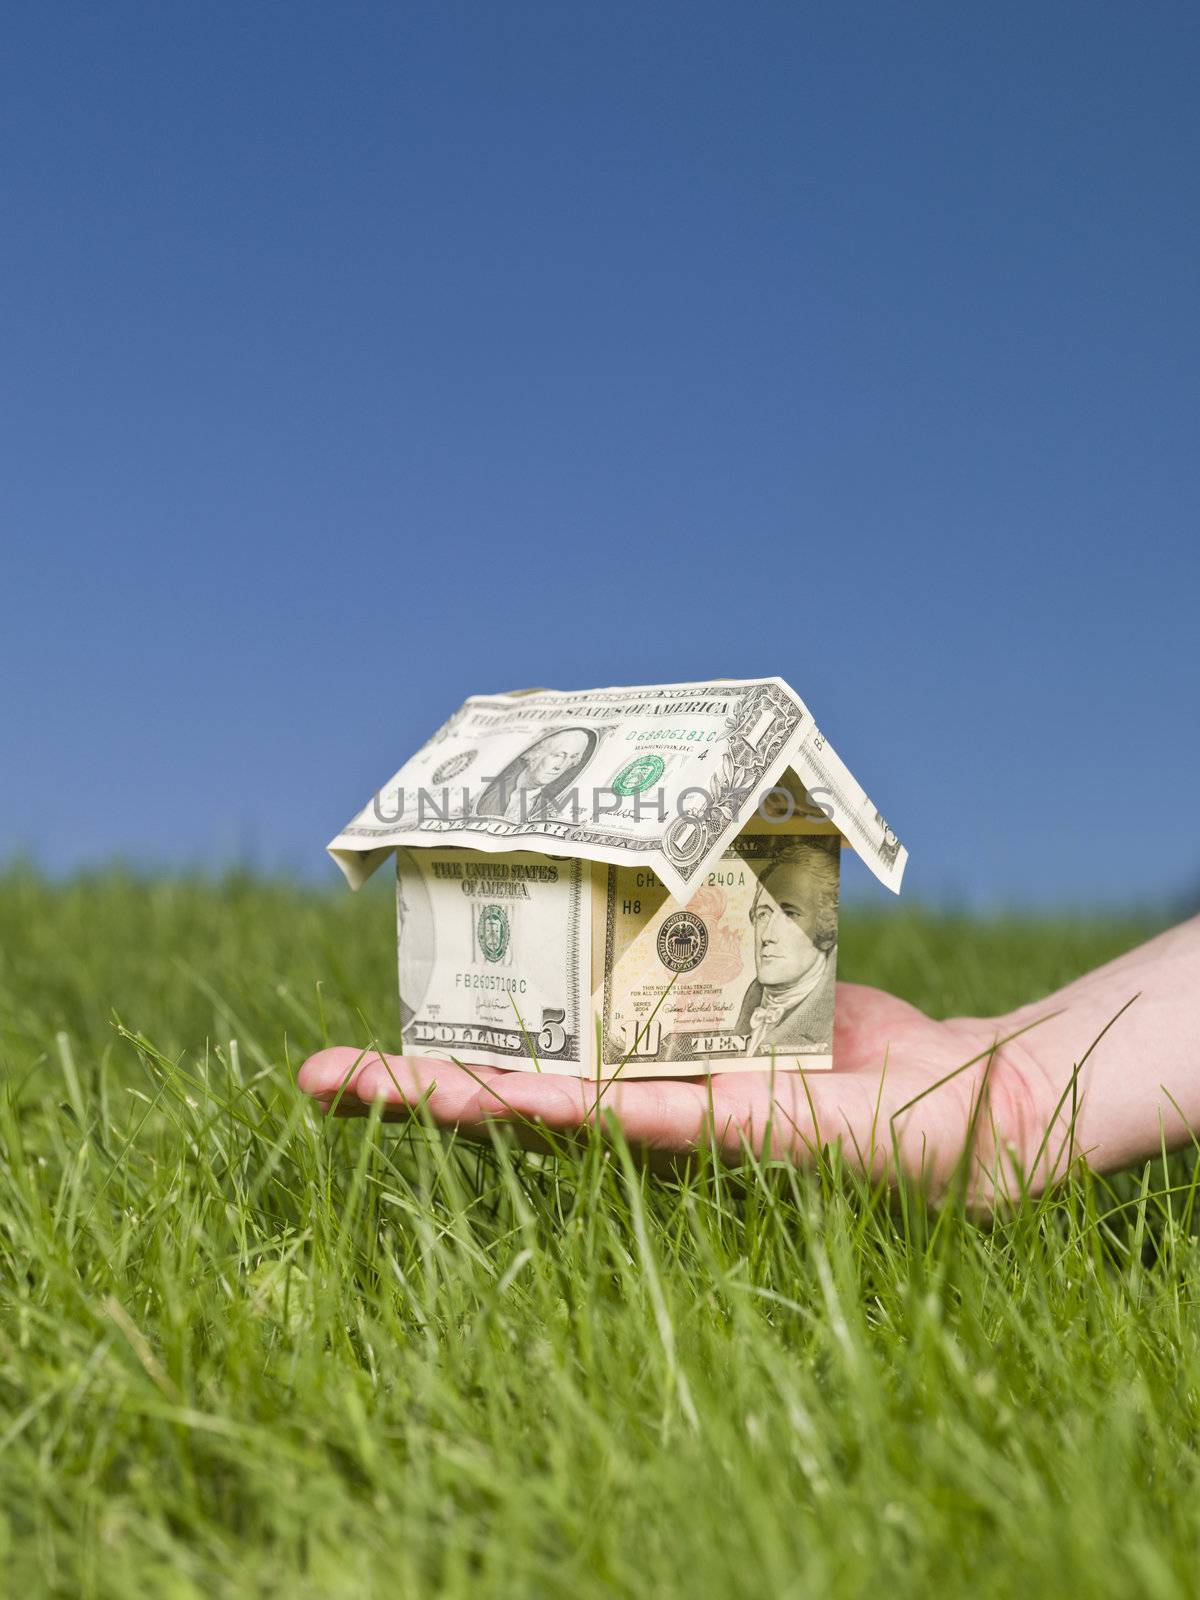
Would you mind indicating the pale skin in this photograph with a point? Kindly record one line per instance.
(1107, 1068)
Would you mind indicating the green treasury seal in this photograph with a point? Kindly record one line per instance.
(638, 775)
(492, 932)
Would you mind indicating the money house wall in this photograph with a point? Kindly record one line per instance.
(585, 969)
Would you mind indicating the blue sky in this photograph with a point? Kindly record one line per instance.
(359, 358)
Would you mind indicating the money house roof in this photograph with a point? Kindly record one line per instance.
(660, 775)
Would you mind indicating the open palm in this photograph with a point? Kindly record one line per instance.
(904, 1087)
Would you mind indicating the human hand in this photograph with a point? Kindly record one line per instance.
(906, 1093)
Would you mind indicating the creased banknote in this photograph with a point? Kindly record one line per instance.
(740, 980)
(494, 958)
(663, 777)
(595, 970)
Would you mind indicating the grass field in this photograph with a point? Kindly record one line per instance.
(242, 1351)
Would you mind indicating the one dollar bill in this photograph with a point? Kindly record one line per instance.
(663, 776)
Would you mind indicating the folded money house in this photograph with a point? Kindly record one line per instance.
(639, 882)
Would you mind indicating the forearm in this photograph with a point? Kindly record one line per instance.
(1129, 1033)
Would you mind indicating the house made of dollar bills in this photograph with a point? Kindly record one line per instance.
(634, 882)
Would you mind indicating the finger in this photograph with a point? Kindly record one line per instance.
(341, 1106)
(459, 1098)
(664, 1115)
(448, 1092)
(349, 1082)
(730, 1115)
(331, 1072)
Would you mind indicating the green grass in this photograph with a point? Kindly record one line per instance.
(244, 1351)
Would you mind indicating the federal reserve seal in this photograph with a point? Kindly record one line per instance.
(682, 941)
(637, 776)
(492, 932)
(453, 765)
